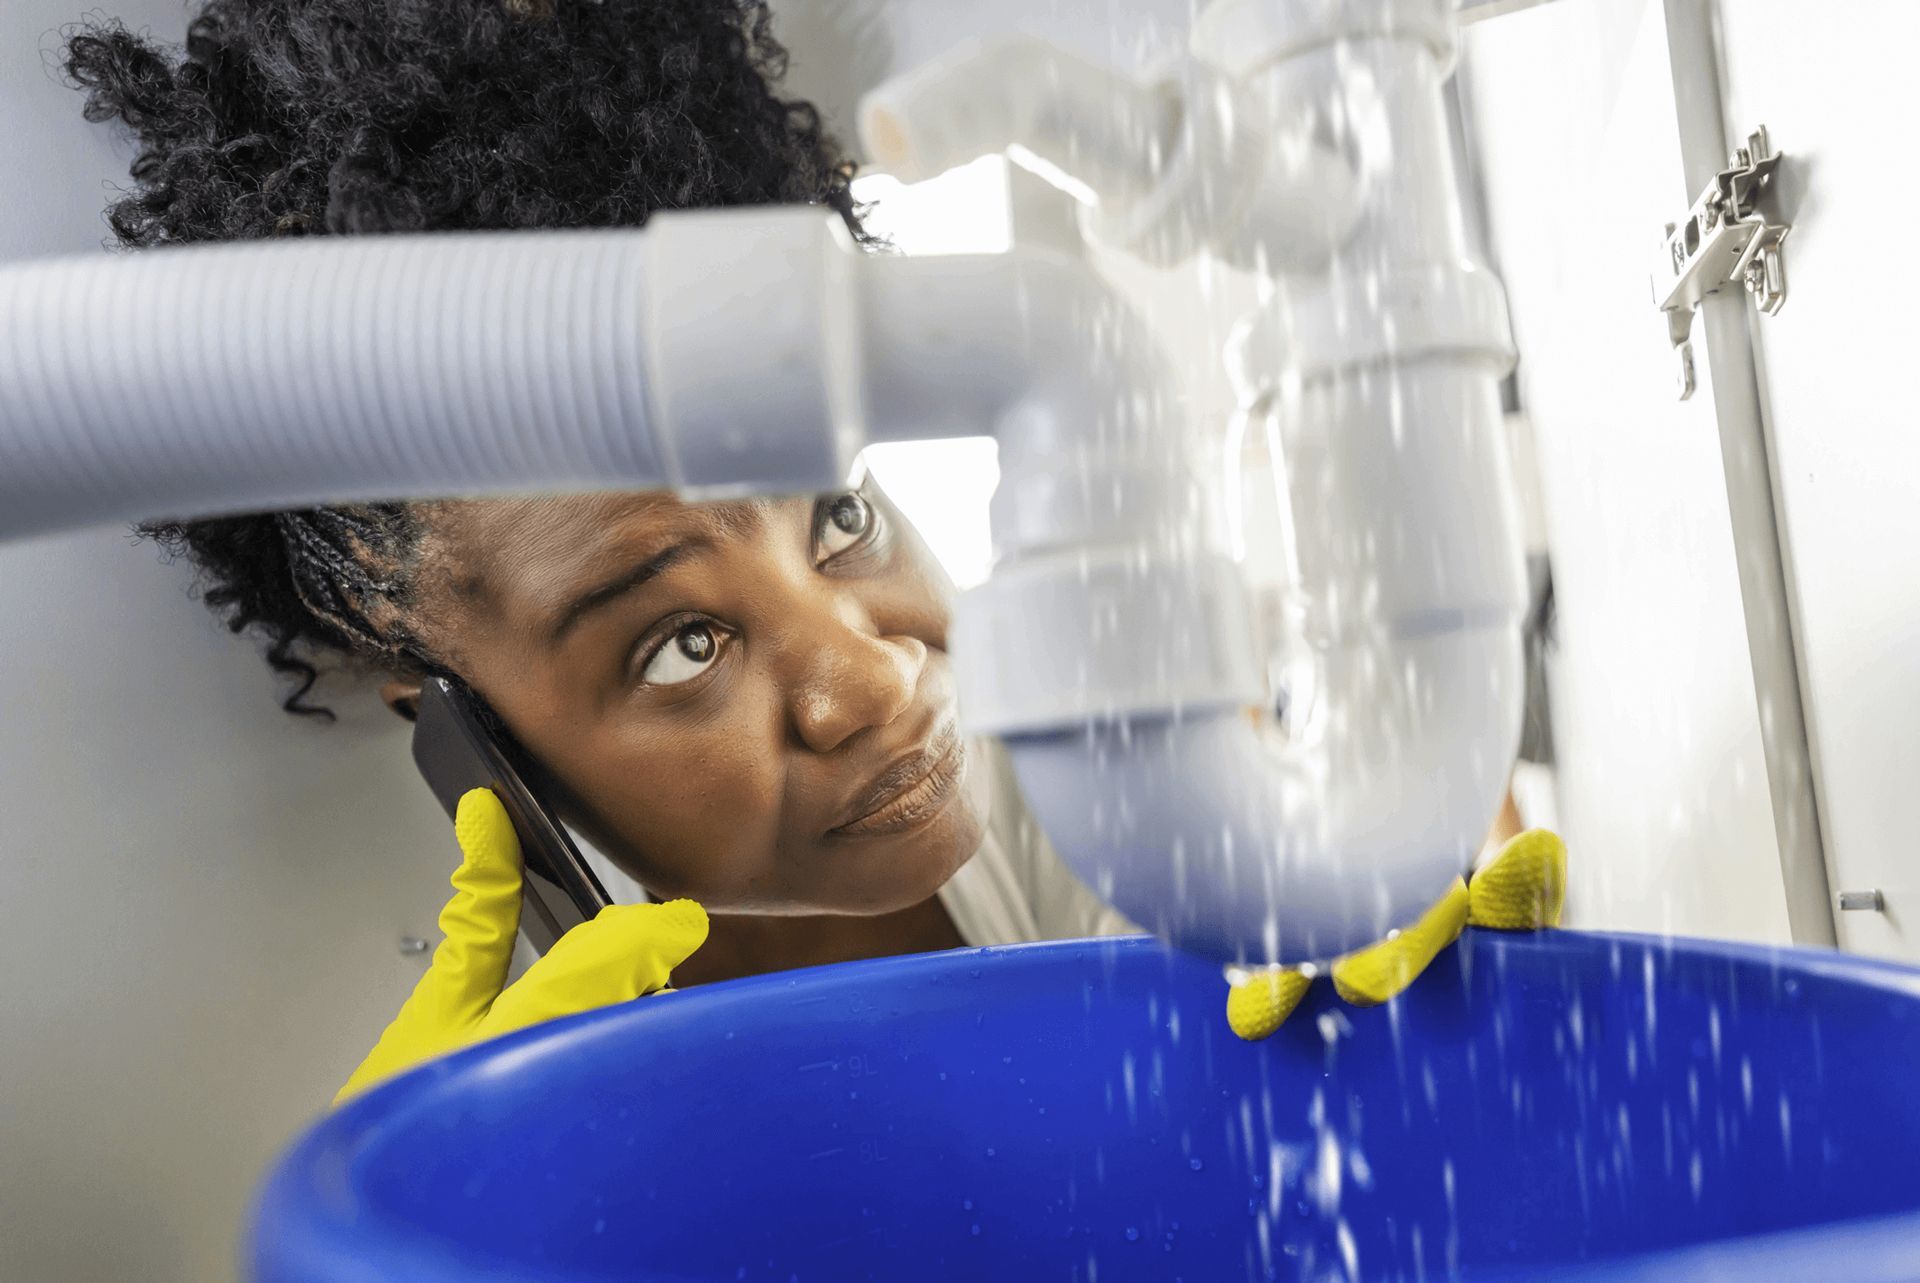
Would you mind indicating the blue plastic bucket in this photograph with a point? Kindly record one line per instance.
(1556, 1106)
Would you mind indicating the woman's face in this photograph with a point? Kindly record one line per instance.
(745, 703)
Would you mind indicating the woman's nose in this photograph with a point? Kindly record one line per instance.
(853, 681)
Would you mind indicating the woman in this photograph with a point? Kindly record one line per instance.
(747, 704)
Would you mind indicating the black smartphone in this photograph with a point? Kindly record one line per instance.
(456, 751)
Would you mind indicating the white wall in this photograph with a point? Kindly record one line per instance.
(202, 896)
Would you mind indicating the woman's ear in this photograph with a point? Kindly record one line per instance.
(402, 695)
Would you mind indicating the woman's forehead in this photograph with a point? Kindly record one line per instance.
(502, 551)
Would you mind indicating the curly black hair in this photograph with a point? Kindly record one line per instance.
(351, 117)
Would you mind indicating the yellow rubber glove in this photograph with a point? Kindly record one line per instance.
(1523, 888)
(626, 951)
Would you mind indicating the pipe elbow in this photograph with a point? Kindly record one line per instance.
(1081, 120)
(964, 344)
(1101, 520)
(1249, 846)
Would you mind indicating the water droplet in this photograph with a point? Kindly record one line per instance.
(966, 1205)
(1195, 1164)
(974, 1229)
(1133, 1235)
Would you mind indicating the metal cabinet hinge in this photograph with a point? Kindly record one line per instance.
(1724, 241)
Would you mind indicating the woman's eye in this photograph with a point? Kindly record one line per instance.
(687, 654)
(844, 522)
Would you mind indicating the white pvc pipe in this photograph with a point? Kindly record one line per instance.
(1378, 101)
(1186, 161)
(190, 382)
(1253, 842)
(1105, 662)
(1113, 647)
(1036, 348)
(1089, 122)
(1101, 519)
(746, 351)
(1239, 844)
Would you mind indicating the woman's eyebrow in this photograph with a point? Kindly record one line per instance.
(624, 583)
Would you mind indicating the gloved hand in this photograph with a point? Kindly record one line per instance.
(1523, 888)
(626, 951)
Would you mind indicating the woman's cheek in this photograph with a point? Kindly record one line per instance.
(705, 811)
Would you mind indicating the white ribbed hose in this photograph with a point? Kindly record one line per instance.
(195, 381)
(188, 382)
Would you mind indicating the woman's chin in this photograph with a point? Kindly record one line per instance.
(888, 873)
(912, 869)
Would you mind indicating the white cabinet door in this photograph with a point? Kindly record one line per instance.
(1662, 777)
(1835, 87)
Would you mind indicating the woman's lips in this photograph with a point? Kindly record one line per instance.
(908, 795)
